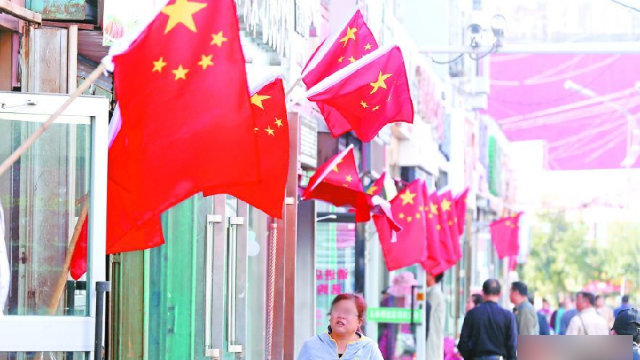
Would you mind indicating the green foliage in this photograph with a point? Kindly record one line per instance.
(564, 256)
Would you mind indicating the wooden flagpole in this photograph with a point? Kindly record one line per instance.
(32, 139)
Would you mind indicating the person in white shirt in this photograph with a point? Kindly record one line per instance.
(587, 321)
(435, 337)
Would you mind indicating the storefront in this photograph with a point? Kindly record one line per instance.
(44, 196)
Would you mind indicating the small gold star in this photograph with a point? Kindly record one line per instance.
(255, 129)
(180, 72)
(407, 197)
(364, 104)
(450, 223)
(158, 65)
(351, 34)
(269, 130)
(376, 108)
(438, 227)
(349, 178)
(218, 39)
(335, 168)
(380, 82)
(256, 99)
(401, 216)
(367, 47)
(278, 122)
(340, 58)
(409, 218)
(352, 59)
(445, 205)
(417, 215)
(434, 209)
(205, 61)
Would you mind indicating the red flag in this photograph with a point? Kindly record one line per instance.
(337, 181)
(272, 131)
(191, 51)
(377, 187)
(461, 209)
(447, 206)
(513, 262)
(447, 251)
(505, 236)
(408, 246)
(434, 263)
(339, 50)
(369, 94)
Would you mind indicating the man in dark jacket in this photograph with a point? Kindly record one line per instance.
(489, 332)
(627, 322)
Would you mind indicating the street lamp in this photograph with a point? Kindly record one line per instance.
(633, 132)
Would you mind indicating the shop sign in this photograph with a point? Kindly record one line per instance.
(308, 141)
(394, 315)
(328, 275)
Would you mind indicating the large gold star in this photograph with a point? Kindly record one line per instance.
(372, 189)
(181, 12)
(380, 82)
(218, 39)
(278, 122)
(445, 205)
(269, 130)
(335, 168)
(158, 65)
(180, 73)
(407, 197)
(205, 61)
(351, 34)
(257, 99)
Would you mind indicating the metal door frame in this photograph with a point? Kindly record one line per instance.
(66, 333)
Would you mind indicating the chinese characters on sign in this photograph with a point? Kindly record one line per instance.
(324, 277)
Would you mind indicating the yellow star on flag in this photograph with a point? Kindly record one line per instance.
(205, 61)
(367, 47)
(158, 65)
(180, 73)
(340, 58)
(181, 12)
(352, 59)
(434, 209)
(269, 130)
(418, 215)
(407, 197)
(364, 104)
(349, 178)
(278, 122)
(351, 34)
(218, 39)
(255, 129)
(372, 189)
(376, 108)
(409, 218)
(335, 168)
(401, 216)
(257, 99)
(446, 205)
(380, 82)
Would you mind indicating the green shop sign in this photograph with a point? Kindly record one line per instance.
(394, 315)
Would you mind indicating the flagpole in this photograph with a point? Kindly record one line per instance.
(44, 127)
(292, 87)
(62, 280)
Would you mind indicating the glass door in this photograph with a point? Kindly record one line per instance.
(44, 197)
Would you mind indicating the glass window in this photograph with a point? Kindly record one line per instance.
(48, 355)
(42, 195)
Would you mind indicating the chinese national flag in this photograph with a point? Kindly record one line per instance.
(337, 181)
(186, 118)
(461, 210)
(408, 246)
(447, 205)
(339, 50)
(368, 94)
(505, 236)
(447, 250)
(272, 130)
(434, 263)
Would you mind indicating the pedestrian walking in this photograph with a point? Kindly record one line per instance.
(489, 332)
(344, 339)
(568, 315)
(627, 322)
(543, 325)
(526, 317)
(556, 317)
(604, 311)
(624, 305)
(587, 321)
(435, 336)
(473, 301)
